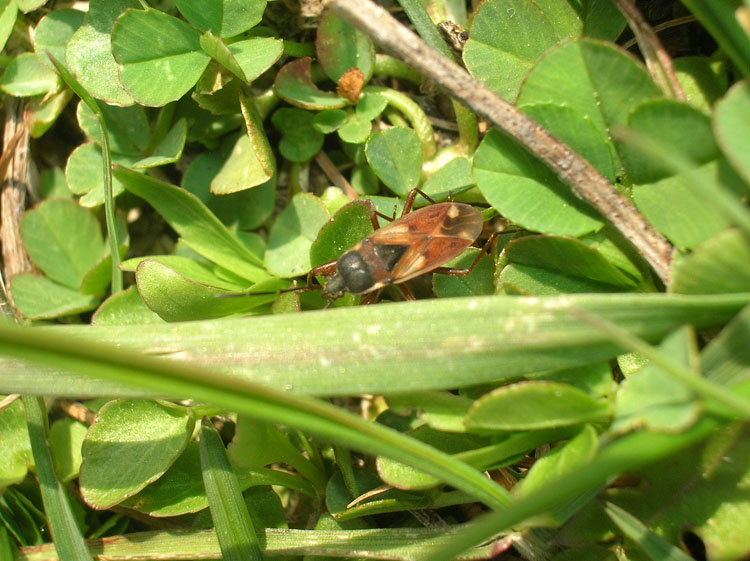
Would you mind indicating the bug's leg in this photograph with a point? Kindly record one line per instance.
(324, 270)
(374, 215)
(406, 292)
(370, 297)
(463, 272)
(409, 203)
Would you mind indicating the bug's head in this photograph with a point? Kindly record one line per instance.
(334, 287)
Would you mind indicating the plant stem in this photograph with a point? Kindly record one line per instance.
(419, 121)
(658, 61)
(390, 66)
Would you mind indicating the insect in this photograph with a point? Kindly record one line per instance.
(418, 242)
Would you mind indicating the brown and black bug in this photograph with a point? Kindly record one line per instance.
(419, 242)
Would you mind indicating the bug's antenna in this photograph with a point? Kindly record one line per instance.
(298, 289)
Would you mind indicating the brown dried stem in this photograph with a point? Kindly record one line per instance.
(585, 181)
(658, 61)
(14, 187)
(334, 175)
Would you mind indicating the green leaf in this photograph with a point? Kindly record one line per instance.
(396, 156)
(225, 18)
(442, 411)
(237, 538)
(127, 127)
(176, 298)
(29, 5)
(507, 38)
(329, 120)
(294, 84)
(241, 170)
(213, 46)
(246, 209)
(719, 265)
(579, 132)
(160, 55)
(256, 55)
(197, 271)
(63, 240)
(703, 79)
(99, 276)
(527, 192)
(364, 180)
(579, 74)
(666, 121)
(300, 140)
(730, 121)
(594, 379)
(726, 358)
(563, 460)
(609, 244)
(169, 150)
(340, 47)
(371, 105)
(26, 76)
(53, 32)
(41, 298)
(567, 256)
(124, 308)
(700, 488)
(258, 138)
(406, 477)
(292, 234)
(200, 229)
(652, 399)
(89, 52)
(350, 225)
(65, 437)
(602, 20)
(257, 443)
(83, 174)
(690, 220)
(14, 445)
(8, 12)
(180, 490)
(535, 405)
(451, 177)
(154, 433)
(477, 283)
(537, 281)
(43, 112)
(356, 129)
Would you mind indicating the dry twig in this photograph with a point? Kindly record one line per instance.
(15, 182)
(658, 61)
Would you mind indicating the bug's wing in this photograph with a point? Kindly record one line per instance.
(439, 220)
(452, 228)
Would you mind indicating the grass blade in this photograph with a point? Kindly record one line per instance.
(313, 416)
(62, 523)
(232, 523)
(381, 349)
(655, 547)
